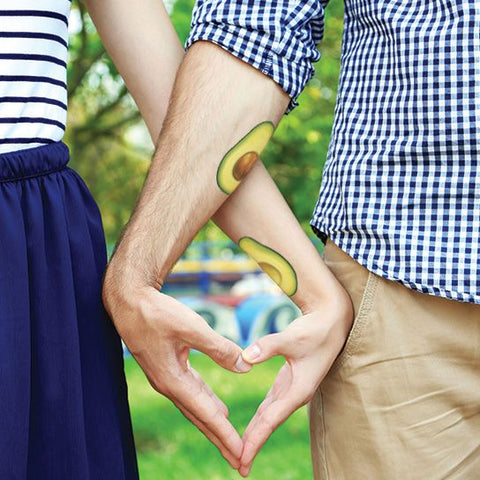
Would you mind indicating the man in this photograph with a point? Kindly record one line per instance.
(398, 203)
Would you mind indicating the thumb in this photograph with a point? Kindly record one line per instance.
(222, 351)
(265, 348)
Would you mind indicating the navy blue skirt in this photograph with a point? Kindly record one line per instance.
(63, 397)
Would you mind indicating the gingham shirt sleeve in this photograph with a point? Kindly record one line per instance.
(277, 37)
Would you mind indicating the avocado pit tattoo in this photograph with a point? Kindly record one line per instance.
(239, 160)
(244, 165)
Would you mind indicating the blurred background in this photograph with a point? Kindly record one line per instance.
(111, 149)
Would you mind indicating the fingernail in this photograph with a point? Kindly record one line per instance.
(242, 471)
(241, 366)
(251, 353)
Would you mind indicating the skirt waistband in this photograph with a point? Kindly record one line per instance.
(33, 162)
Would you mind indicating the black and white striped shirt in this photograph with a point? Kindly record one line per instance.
(33, 72)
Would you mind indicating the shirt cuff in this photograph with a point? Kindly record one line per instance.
(276, 59)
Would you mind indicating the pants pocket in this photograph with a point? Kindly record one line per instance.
(405, 403)
(361, 285)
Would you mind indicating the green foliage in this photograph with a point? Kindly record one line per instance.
(180, 16)
(102, 117)
(170, 447)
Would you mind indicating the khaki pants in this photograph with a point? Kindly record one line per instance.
(402, 400)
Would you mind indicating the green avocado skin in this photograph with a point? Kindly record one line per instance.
(263, 254)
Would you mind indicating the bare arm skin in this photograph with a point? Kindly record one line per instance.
(217, 100)
(140, 38)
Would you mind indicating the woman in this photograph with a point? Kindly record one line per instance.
(63, 398)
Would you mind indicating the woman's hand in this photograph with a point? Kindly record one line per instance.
(310, 345)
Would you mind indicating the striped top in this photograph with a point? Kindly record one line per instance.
(33, 72)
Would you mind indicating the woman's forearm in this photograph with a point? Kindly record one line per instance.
(258, 216)
(146, 50)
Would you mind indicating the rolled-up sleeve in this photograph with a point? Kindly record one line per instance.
(277, 37)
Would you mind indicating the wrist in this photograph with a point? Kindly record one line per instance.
(126, 277)
(331, 295)
(335, 313)
(136, 262)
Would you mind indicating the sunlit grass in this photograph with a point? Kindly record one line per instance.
(169, 447)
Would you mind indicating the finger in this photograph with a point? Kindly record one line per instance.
(210, 392)
(261, 428)
(280, 386)
(264, 424)
(267, 347)
(269, 398)
(191, 394)
(224, 352)
(233, 461)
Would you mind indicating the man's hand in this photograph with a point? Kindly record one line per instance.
(310, 345)
(159, 332)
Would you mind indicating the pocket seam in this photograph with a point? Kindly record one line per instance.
(355, 335)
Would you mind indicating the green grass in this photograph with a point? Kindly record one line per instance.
(170, 447)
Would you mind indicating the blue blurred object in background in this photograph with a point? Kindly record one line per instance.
(262, 314)
(248, 310)
(220, 317)
(273, 318)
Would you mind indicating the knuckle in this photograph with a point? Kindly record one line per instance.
(160, 387)
(211, 421)
(222, 353)
(266, 424)
(274, 343)
(166, 383)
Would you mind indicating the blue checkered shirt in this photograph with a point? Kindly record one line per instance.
(400, 191)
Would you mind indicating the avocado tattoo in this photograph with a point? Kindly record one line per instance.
(239, 160)
(272, 263)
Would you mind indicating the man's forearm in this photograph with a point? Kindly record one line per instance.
(217, 100)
